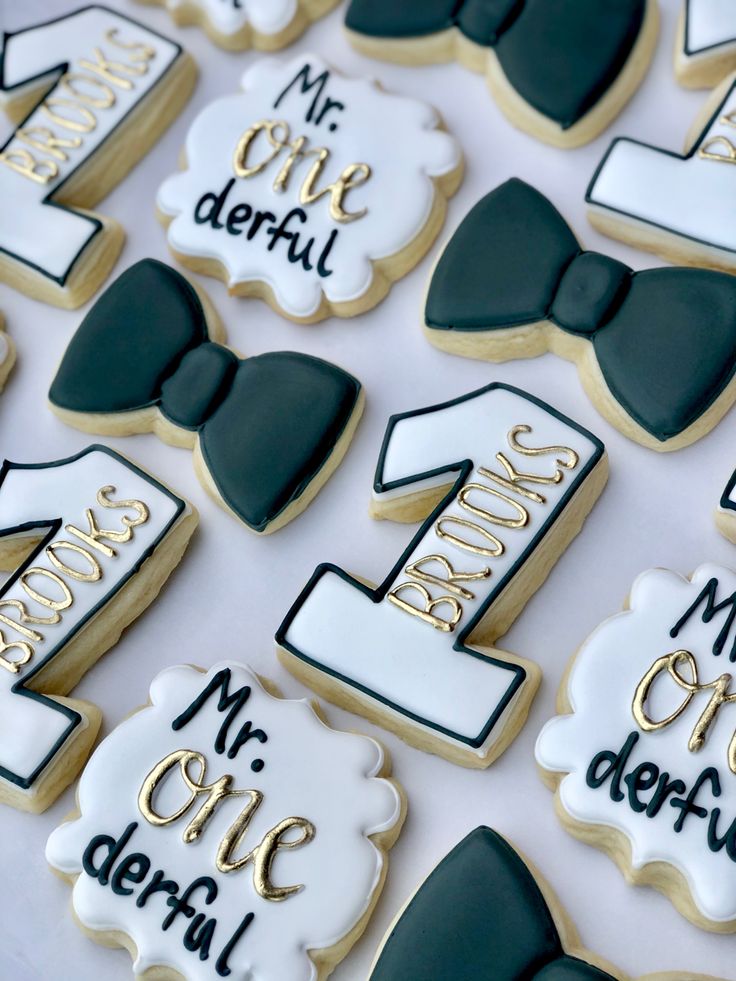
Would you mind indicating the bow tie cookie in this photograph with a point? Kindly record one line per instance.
(310, 190)
(94, 90)
(559, 69)
(90, 541)
(239, 24)
(504, 483)
(656, 350)
(485, 914)
(7, 354)
(644, 763)
(677, 205)
(705, 47)
(267, 432)
(225, 832)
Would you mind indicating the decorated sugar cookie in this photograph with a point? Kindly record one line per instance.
(310, 190)
(514, 282)
(267, 432)
(90, 540)
(7, 354)
(225, 832)
(90, 92)
(559, 69)
(504, 483)
(672, 203)
(644, 764)
(705, 47)
(238, 24)
(485, 913)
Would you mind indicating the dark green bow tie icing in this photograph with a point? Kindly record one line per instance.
(664, 339)
(266, 424)
(480, 916)
(561, 56)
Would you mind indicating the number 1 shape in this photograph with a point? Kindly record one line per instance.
(680, 206)
(98, 88)
(404, 654)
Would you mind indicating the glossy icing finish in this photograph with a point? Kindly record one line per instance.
(561, 56)
(150, 324)
(664, 339)
(358, 123)
(303, 769)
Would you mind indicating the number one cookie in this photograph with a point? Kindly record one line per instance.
(92, 91)
(679, 206)
(91, 539)
(401, 654)
(705, 48)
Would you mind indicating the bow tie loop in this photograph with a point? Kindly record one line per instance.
(484, 21)
(199, 385)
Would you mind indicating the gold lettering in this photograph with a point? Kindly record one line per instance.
(141, 50)
(85, 124)
(269, 126)
(523, 514)
(496, 545)
(426, 614)
(139, 507)
(264, 854)
(16, 663)
(708, 152)
(23, 162)
(95, 573)
(353, 175)
(72, 79)
(721, 696)
(106, 69)
(50, 604)
(513, 483)
(26, 617)
(416, 571)
(42, 138)
(568, 464)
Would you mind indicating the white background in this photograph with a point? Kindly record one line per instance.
(232, 589)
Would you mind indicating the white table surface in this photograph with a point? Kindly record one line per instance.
(233, 588)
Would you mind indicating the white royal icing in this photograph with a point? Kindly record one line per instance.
(688, 195)
(46, 500)
(230, 16)
(47, 238)
(395, 136)
(601, 688)
(4, 347)
(709, 24)
(392, 656)
(311, 771)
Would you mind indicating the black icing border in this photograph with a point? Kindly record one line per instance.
(19, 688)
(691, 52)
(60, 69)
(669, 153)
(726, 502)
(463, 468)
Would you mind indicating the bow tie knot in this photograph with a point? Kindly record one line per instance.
(484, 21)
(590, 292)
(199, 385)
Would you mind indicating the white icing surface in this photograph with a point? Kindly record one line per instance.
(47, 237)
(601, 688)
(311, 771)
(391, 652)
(28, 728)
(4, 347)
(396, 136)
(709, 23)
(690, 196)
(230, 16)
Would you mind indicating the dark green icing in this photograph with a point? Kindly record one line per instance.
(266, 425)
(561, 56)
(479, 916)
(665, 339)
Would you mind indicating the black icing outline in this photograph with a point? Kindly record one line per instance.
(726, 502)
(463, 469)
(691, 52)
(19, 688)
(60, 69)
(669, 153)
